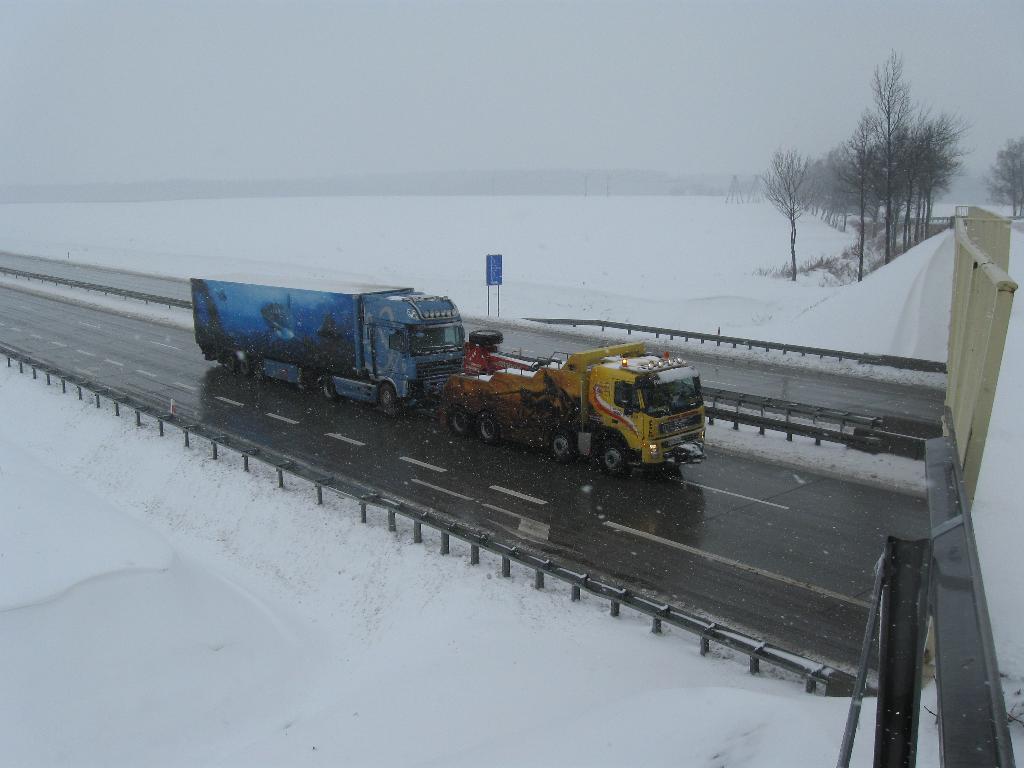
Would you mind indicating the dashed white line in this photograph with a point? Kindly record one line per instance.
(228, 400)
(112, 362)
(87, 354)
(58, 343)
(534, 528)
(737, 564)
(189, 387)
(282, 418)
(344, 439)
(518, 495)
(442, 490)
(146, 373)
(423, 464)
(499, 509)
(169, 346)
(90, 325)
(738, 495)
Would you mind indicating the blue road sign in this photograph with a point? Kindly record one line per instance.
(494, 269)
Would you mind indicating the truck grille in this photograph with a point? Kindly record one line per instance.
(677, 425)
(433, 374)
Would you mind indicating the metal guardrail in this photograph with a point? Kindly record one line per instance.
(972, 713)
(105, 289)
(892, 361)
(835, 682)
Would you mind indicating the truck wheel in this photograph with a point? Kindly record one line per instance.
(487, 428)
(244, 367)
(459, 421)
(327, 387)
(388, 400)
(230, 361)
(563, 446)
(613, 457)
(486, 338)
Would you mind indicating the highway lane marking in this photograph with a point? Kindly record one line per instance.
(344, 439)
(58, 343)
(518, 495)
(90, 325)
(442, 490)
(16, 328)
(146, 373)
(189, 387)
(112, 362)
(499, 509)
(83, 352)
(282, 418)
(535, 528)
(423, 464)
(737, 495)
(35, 336)
(169, 346)
(741, 566)
(228, 400)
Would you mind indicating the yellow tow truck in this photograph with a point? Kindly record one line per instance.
(617, 404)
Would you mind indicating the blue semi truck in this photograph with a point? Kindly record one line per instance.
(390, 346)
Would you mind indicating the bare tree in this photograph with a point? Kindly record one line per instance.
(893, 112)
(855, 172)
(784, 186)
(1006, 179)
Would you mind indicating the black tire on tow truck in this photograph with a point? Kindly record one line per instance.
(459, 421)
(486, 338)
(562, 446)
(387, 399)
(487, 428)
(613, 456)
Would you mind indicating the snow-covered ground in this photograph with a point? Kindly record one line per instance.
(157, 608)
(180, 612)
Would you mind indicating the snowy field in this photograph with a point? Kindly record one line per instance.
(685, 262)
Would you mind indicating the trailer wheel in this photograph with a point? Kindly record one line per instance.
(487, 428)
(229, 360)
(459, 421)
(327, 388)
(258, 372)
(388, 400)
(563, 446)
(613, 456)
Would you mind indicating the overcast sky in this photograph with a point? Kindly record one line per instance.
(126, 91)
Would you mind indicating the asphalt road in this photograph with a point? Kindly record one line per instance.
(897, 403)
(784, 555)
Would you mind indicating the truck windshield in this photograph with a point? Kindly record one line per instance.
(426, 340)
(666, 394)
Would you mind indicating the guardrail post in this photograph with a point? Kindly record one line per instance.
(705, 646)
(736, 418)
(754, 665)
(214, 444)
(538, 579)
(245, 462)
(138, 418)
(789, 435)
(655, 626)
(8, 361)
(445, 543)
(810, 685)
(417, 532)
(21, 367)
(362, 511)
(280, 478)
(97, 399)
(117, 408)
(506, 567)
(185, 430)
(575, 592)
(392, 525)
(474, 554)
(613, 608)
(160, 426)
(34, 372)
(79, 392)
(63, 387)
(319, 494)
(47, 378)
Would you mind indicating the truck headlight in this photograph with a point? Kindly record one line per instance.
(654, 448)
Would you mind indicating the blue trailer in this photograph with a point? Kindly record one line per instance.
(391, 346)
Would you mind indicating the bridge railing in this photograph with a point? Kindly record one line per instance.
(981, 303)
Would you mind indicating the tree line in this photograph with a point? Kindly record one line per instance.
(886, 174)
